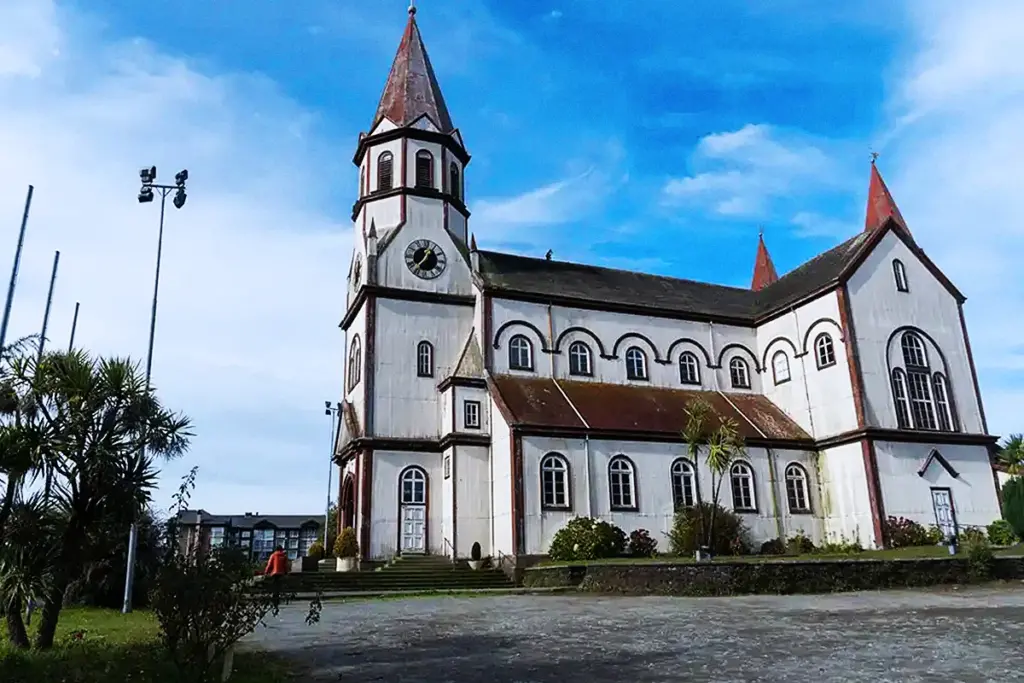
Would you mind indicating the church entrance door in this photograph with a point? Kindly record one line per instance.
(945, 515)
(413, 511)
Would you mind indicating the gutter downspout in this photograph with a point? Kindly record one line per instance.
(714, 358)
(586, 446)
(803, 369)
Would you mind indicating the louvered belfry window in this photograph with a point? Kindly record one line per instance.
(424, 169)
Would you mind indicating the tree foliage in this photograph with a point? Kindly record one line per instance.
(1011, 454)
(1013, 504)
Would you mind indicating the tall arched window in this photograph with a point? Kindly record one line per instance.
(824, 351)
(741, 477)
(943, 403)
(684, 484)
(797, 492)
(354, 363)
(362, 181)
(780, 367)
(520, 353)
(899, 394)
(900, 275)
(636, 363)
(621, 483)
(689, 368)
(424, 169)
(739, 373)
(413, 486)
(919, 382)
(455, 181)
(424, 359)
(385, 171)
(554, 481)
(580, 359)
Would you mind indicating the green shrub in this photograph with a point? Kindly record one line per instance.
(1013, 504)
(936, 536)
(1001, 533)
(316, 551)
(980, 557)
(641, 544)
(799, 545)
(969, 534)
(345, 545)
(841, 547)
(773, 546)
(586, 538)
(731, 535)
(905, 533)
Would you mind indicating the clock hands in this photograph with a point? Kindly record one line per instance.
(426, 254)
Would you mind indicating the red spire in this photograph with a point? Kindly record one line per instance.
(764, 269)
(881, 205)
(412, 90)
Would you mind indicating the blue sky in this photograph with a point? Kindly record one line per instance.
(660, 137)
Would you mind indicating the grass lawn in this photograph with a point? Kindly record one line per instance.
(114, 647)
(895, 554)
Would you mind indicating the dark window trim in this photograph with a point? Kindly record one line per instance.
(419, 369)
(807, 490)
(899, 273)
(746, 373)
(465, 414)
(389, 157)
(529, 346)
(634, 488)
(831, 345)
(753, 487)
(424, 160)
(775, 374)
(646, 377)
(447, 467)
(683, 380)
(590, 360)
(568, 483)
(672, 483)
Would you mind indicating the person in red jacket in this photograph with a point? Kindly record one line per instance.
(277, 566)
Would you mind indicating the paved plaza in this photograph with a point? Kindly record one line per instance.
(972, 635)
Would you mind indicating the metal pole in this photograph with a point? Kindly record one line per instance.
(49, 302)
(330, 474)
(14, 270)
(134, 531)
(74, 326)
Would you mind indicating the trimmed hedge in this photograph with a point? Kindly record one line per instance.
(769, 577)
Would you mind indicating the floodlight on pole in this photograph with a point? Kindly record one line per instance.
(147, 176)
(332, 410)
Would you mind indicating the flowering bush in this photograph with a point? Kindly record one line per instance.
(799, 545)
(731, 535)
(641, 544)
(935, 535)
(970, 534)
(586, 538)
(905, 533)
(1001, 533)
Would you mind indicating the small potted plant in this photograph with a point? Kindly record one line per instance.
(346, 549)
(315, 553)
(475, 561)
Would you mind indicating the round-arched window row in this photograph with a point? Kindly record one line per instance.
(921, 396)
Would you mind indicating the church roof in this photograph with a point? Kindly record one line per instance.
(412, 90)
(643, 410)
(471, 361)
(764, 269)
(881, 205)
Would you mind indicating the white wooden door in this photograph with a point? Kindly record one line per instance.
(414, 527)
(942, 501)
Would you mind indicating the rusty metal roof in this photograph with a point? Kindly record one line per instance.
(881, 205)
(538, 402)
(764, 269)
(412, 90)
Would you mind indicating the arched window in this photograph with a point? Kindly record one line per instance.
(943, 404)
(689, 368)
(739, 373)
(742, 478)
(796, 489)
(455, 181)
(354, 357)
(636, 363)
(385, 169)
(824, 351)
(414, 486)
(900, 275)
(621, 483)
(919, 382)
(899, 394)
(520, 353)
(580, 359)
(362, 181)
(780, 367)
(684, 484)
(424, 359)
(554, 481)
(424, 169)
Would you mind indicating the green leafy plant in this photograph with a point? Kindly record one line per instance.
(773, 546)
(346, 546)
(841, 547)
(731, 536)
(586, 538)
(905, 533)
(474, 552)
(935, 535)
(315, 551)
(980, 558)
(1013, 504)
(641, 544)
(1001, 533)
(799, 544)
(1011, 454)
(967, 534)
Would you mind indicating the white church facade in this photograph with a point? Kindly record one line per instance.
(490, 397)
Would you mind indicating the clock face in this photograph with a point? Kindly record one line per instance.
(425, 259)
(357, 272)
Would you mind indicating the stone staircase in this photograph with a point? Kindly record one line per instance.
(412, 573)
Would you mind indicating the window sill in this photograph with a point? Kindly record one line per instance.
(615, 508)
(827, 365)
(556, 508)
(801, 512)
(745, 511)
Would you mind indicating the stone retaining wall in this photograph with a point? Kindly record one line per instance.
(772, 577)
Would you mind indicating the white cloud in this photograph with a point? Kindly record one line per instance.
(247, 341)
(739, 173)
(955, 171)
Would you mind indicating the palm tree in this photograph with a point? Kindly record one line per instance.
(1011, 454)
(102, 428)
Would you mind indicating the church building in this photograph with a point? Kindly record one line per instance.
(489, 397)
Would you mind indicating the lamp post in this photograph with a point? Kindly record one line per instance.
(333, 411)
(146, 195)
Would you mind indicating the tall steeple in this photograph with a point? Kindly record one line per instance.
(764, 269)
(881, 205)
(412, 90)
